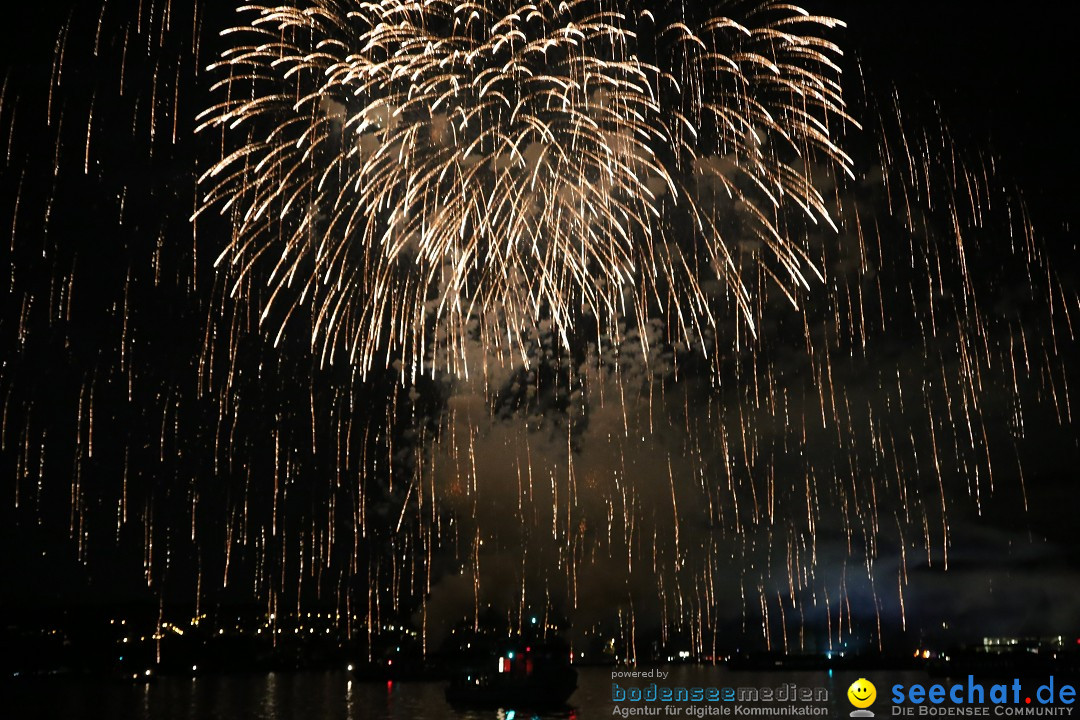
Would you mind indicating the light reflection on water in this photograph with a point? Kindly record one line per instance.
(332, 695)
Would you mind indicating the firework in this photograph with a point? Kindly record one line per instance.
(518, 307)
(403, 166)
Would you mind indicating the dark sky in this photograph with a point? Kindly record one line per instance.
(1002, 75)
(1000, 71)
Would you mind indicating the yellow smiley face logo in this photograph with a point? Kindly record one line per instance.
(862, 693)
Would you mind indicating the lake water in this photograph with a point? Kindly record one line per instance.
(333, 695)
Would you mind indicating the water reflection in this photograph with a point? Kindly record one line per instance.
(336, 695)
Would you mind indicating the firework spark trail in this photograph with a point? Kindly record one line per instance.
(569, 238)
(402, 164)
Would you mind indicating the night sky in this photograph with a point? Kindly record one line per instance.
(112, 307)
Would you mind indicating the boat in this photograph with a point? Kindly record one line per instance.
(514, 674)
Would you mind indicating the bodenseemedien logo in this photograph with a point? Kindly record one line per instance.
(861, 695)
(788, 700)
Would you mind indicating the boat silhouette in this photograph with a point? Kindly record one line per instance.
(513, 673)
